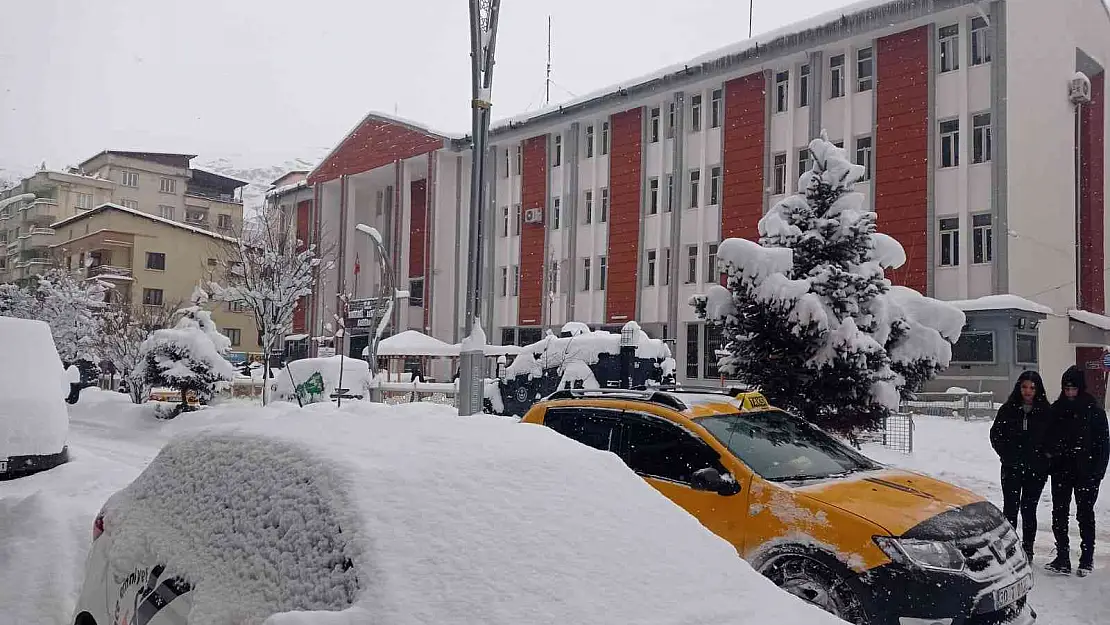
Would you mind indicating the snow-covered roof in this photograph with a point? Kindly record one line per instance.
(447, 520)
(1101, 322)
(1002, 302)
(169, 222)
(33, 417)
(383, 117)
(414, 343)
(286, 189)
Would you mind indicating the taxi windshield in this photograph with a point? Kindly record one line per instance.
(781, 447)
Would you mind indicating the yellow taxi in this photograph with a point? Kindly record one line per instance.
(871, 544)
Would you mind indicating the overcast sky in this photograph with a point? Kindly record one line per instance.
(260, 81)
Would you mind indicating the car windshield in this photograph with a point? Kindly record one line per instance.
(781, 447)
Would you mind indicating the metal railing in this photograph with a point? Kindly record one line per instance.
(108, 270)
(897, 433)
(966, 406)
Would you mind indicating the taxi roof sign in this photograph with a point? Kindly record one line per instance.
(752, 401)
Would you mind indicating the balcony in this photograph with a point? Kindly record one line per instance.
(37, 238)
(31, 267)
(41, 210)
(109, 272)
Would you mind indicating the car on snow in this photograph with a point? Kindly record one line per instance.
(871, 544)
(407, 515)
(34, 422)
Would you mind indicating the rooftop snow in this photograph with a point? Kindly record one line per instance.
(132, 211)
(1002, 302)
(1101, 322)
(413, 343)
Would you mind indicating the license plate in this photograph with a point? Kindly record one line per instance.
(1008, 595)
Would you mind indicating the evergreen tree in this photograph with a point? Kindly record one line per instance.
(808, 315)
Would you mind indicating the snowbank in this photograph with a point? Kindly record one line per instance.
(556, 352)
(1002, 302)
(319, 377)
(33, 385)
(447, 520)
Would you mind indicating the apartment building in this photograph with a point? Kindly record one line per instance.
(151, 261)
(156, 183)
(981, 124)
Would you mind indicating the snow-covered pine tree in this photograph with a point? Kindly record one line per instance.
(187, 357)
(808, 315)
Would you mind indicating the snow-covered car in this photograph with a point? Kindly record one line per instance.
(34, 422)
(407, 515)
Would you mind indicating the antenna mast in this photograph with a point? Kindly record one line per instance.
(547, 79)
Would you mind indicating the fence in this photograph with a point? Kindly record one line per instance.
(966, 406)
(897, 433)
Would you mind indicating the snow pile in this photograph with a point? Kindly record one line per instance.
(558, 353)
(1002, 302)
(317, 378)
(476, 340)
(574, 328)
(263, 515)
(414, 343)
(33, 418)
(1092, 319)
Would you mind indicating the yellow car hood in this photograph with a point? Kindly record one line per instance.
(895, 500)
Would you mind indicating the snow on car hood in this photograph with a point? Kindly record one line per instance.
(454, 519)
(895, 500)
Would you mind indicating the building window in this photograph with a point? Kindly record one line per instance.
(129, 178)
(780, 174)
(715, 109)
(152, 297)
(504, 221)
(156, 260)
(588, 207)
(865, 68)
(803, 164)
(604, 138)
(711, 269)
(557, 157)
(653, 196)
(132, 204)
(553, 277)
(82, 200)
(695, 113)
(670, 120)
(782, 92)
(223, 221)
(695, 187)
(950, 242)
(516, 281)
(863, 156)
(950, 143)
(693, 350)
(212, 262)
(416, 292)
(981, 138)
(604, 216)
(602, 272)
(196, 217)
(556, 213)
(836, 76)
(504, 290)
(949, 48)
(691, 264)
(980, 41)
(666, 266)
(379, 202)
(237, 306)
(803, 86)
(167, 185)
(653, 126)
(517, 216)
(519, 161)
(585, 274)
(982, 238)
(714, 342)
(668, 204)
(715, 186)
(590, 141)
(165, 211)
(649, 268)
(235, 334)
(974, 348)
(1026, 348)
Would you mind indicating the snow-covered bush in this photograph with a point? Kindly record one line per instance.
(188, 357)
(809, 316)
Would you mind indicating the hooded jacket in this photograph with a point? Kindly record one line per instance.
(1021, 439)
(1080, 444)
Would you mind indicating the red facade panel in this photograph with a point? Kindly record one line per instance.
(1092, 206)
(374, 144)
(902, 149)
(625, 190)
(533, 194)
(303, 230)
(744, 142)
(418, 227)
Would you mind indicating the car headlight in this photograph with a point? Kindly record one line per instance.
(928, 554)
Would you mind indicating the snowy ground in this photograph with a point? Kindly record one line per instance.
(46, 519)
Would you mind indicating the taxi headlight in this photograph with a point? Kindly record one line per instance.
(927, 554)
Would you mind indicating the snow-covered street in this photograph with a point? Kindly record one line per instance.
(46, 519)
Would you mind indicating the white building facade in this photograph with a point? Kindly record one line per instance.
(981, 162)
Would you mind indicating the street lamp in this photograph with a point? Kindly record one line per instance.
(387, 289)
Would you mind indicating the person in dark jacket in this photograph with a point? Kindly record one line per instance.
(1080, 451)
(1019, 437)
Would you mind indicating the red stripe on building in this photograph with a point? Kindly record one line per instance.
(304, 223)
(902, 150)
(1092, 206)
(373, 144)
(533, 194)
(625, 189)
(744, 138)
(418, 217)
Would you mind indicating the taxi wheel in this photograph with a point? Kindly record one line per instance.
(815, 583)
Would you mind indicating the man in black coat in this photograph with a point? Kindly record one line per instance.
(1019, 437)
(1080, 450)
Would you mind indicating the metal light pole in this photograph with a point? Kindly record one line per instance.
(483, 36)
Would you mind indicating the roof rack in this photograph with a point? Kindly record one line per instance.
(656, 396)
(732, 391)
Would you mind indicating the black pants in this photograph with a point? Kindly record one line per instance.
(1086, 492)
(1021, 490)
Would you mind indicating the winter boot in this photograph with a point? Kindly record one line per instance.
(1028, 549)
(1061, 565)
(1086, 563)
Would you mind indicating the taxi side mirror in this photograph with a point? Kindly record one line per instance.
(711, 480)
